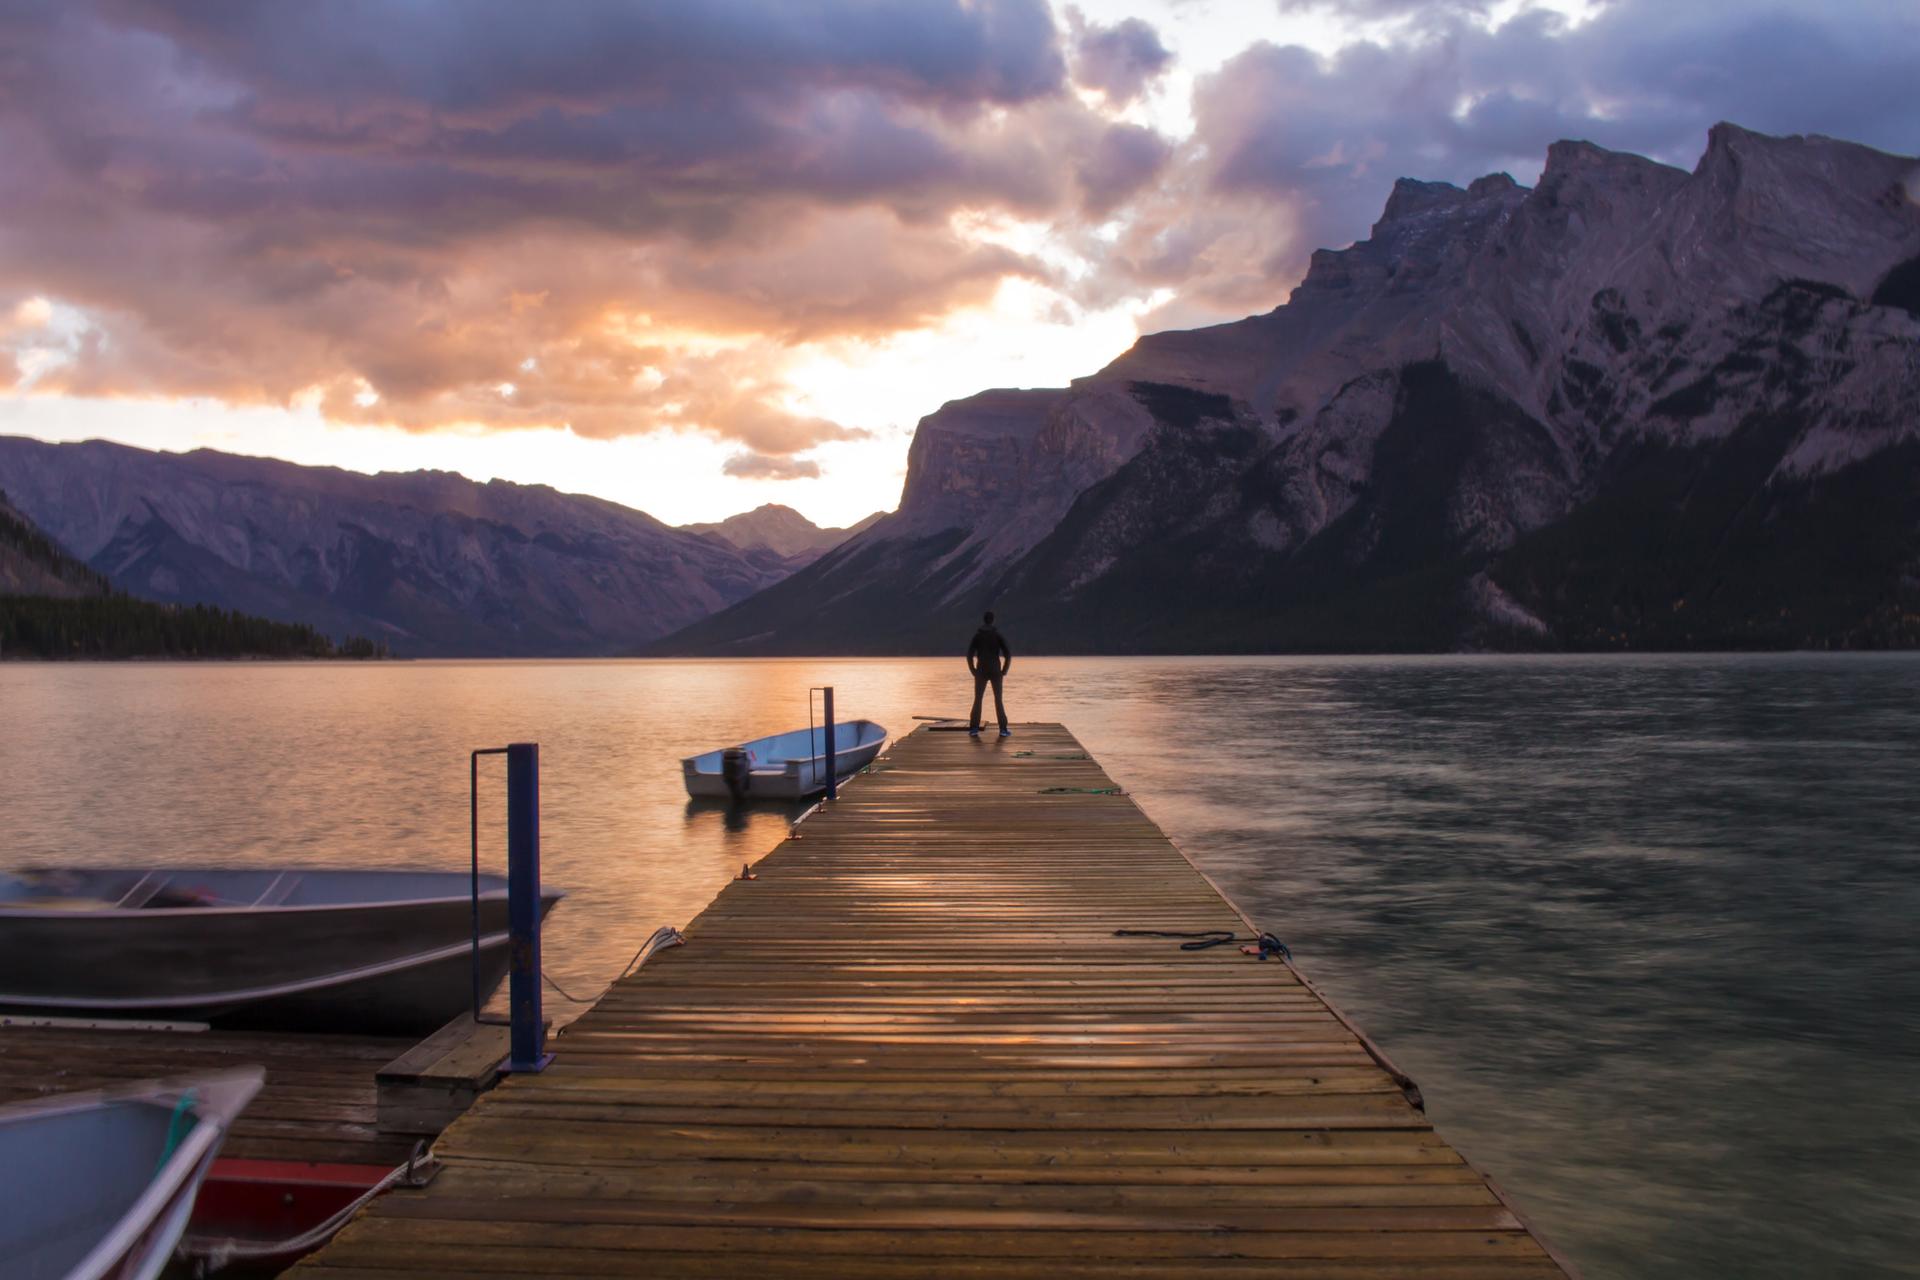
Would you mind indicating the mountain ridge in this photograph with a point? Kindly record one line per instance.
(430, 562)
(1422, 447)
(53, 606)
(782, 531)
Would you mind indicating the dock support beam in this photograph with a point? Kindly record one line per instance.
(833, 781)
(529, 1033)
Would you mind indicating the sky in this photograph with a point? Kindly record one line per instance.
(696, 257)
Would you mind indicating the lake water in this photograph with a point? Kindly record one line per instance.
(1646, 930)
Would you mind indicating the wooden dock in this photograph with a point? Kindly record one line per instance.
(338, 1114)
(318, 1107)
(913, 1046)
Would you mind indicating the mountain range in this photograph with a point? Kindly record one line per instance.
(1631, 407)
(54, 606)
(430, 563)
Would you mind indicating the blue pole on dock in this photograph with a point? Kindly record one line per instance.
(529, 1031)
(833, 787)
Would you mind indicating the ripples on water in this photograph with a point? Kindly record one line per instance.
(1644, 929)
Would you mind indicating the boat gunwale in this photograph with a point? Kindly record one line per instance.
(789, 766)
(227, 1095)
(10, 912)
(256, 995)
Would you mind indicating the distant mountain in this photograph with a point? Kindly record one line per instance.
(431, 563)
(1632, 407)
(781, 530)
(53, 606)
(32, 564)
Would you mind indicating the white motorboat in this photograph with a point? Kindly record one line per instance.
(785, 766)
(370, 951)
(98, 1185)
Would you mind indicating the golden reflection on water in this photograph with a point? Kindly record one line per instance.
(1642, 927)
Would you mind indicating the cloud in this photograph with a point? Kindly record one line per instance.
(637, 217)
(1118, 61)
(1294, 151)
(450, 213)
(760, 466)
(1115, 168)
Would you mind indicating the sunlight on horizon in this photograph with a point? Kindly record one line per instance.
(745, 383)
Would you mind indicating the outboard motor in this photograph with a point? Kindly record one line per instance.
(736, 771)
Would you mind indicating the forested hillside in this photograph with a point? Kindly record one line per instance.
(53, 606)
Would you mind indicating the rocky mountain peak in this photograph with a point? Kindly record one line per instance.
(779, 529)
(1578, 171)
(1632, 407)
(1411, 196)
(1795, 207)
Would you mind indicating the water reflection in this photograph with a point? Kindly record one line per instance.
(1642, 928)
(735, 818)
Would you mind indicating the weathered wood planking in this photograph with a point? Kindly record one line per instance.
(318, 1104)
(913, 1047)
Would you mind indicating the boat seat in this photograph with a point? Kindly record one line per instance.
(142, 892)
(279, 891)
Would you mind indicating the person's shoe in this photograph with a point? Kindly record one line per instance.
(1006, 733)
(973, 733)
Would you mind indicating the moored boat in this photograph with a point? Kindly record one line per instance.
(785, 766)
(101, 1184)
(370, 951)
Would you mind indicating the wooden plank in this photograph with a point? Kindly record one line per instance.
(423, 1090)
(913, 1045)
(319, 1102)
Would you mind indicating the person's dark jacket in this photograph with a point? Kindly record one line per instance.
(989, 653)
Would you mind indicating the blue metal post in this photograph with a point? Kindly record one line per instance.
(833, 785)
(529, 1031)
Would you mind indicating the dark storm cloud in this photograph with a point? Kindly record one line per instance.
(1119, 61)
(624, 217)
(1116, 167)
(1293, 151)
(416, 206)
(494, 58)
(1378, 9)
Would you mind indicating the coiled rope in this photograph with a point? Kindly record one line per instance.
(1260, 946)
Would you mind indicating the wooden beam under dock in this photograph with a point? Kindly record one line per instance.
(913, 1046)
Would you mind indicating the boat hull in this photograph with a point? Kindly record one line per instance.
(101, 1185)
(375, 967)
(786, 779)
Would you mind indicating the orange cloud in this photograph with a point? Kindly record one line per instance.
(461, 227)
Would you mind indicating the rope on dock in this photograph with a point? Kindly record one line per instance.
(1260, 946)
(663, 937)
(213, 1255)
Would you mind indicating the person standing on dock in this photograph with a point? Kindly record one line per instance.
(989, 659)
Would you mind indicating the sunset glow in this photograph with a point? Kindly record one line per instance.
(698, 258)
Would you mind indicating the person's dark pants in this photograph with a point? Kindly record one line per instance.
(980, 682)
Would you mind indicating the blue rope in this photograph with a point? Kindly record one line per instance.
(182, 1110)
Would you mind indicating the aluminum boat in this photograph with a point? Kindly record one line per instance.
(98, 1185)
(368, 951)
(785, 766)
